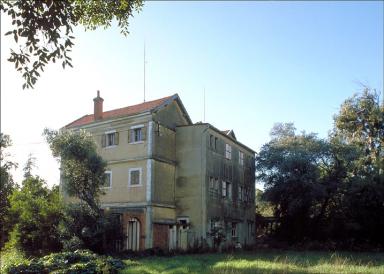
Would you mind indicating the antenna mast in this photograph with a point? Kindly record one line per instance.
(204, 107)
(144, 71)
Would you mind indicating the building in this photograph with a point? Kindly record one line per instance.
(171, 182)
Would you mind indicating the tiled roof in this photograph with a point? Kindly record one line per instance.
(120, 112)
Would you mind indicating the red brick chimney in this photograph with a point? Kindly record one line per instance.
(98, 107)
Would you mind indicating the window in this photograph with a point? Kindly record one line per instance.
(233, 231)
(240, 193)
(136, 134)
(107, 179)
(110, 138)
(216, 142)
(224, 189)
(228, 151)
(134, 177)
(211, 141)
(211, 183)
(229, 190)
(241, 158)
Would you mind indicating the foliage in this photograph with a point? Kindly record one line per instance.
(263, 208)
(10, 257)
(79, 261)
(361, 122)
(29, 165)
(83, 173)
(329, 189)
(36, 212)
(290, 167)
(82, 169)
(80, 228)
(7, 185)
(44, 28)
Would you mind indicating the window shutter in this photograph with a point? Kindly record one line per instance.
(131, 135)
(144, 133)
(116, 138)
(103, 140)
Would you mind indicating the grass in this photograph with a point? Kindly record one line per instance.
(261, 262)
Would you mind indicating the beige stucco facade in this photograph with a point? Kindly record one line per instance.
(160, 184)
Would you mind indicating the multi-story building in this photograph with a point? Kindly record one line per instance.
(171, 181)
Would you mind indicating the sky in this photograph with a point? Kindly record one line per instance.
(258, 62)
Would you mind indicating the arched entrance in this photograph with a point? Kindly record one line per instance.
(133, 234)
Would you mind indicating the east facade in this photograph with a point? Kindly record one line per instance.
(169, 181)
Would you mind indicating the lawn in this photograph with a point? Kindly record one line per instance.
(261, 262)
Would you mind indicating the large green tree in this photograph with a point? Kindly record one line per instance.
(83, 175)
(361, 122)
(44, 29)
(36, 212)
(7, 185)
(291, 166)
(82, 168)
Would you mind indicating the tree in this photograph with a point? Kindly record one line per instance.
(361, 122)
(36, 212)
(7, 185)
(29, 165)
(263, 208)
(82, 169)
(44, 29)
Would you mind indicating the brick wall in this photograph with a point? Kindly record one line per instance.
(160, 236)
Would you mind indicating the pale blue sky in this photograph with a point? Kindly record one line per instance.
(259, 62)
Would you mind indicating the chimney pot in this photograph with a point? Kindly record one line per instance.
(98, 107)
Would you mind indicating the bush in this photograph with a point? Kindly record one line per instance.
(80, 261)
(10, 257)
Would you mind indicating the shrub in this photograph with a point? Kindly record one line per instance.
(80, 261)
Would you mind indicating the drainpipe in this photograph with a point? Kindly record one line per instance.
(203, 189)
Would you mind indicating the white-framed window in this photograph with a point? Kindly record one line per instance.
(107, 179)
(110, 139)
(136, 134)
(134, 177)
(228, 151)
(241, 158)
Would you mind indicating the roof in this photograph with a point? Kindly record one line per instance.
(127, 111)
(222, 132)
(230, 133)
